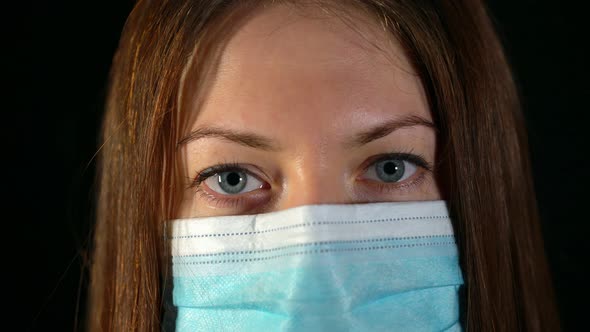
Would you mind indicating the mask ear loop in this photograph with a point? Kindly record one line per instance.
(169, 310)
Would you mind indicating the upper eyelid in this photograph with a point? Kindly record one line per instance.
(220, 168)
(417, 160)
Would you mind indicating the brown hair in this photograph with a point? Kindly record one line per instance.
(483, 160)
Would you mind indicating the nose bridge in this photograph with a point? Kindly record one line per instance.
(314, 180)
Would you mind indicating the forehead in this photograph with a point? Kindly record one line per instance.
(290, 71)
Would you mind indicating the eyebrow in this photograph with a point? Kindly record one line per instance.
(263, 143)
(247, 139)
(387, 128)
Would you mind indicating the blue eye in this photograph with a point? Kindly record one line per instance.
(234, 179)
(391, 170)
(232, 182)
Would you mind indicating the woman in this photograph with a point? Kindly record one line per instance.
(241, 108)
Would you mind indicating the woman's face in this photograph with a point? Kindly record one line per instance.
(303, 109)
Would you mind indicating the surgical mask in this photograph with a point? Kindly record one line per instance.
(333, 267)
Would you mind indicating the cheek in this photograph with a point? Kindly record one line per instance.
(194, 205)
(187, 206)
(429, 190)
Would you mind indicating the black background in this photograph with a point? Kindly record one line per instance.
(57, 77)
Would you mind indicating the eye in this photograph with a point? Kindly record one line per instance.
(391, 169)
(232, 186)
(233, 182)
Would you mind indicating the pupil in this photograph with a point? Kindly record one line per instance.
(233, 179)
(390, 168)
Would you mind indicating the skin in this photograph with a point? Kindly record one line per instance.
(309, 84)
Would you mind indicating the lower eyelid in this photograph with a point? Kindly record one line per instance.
(416, 180)
(409, 184)
(232, 201)
(218, 202)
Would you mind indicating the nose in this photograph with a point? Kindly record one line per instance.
(311, 184)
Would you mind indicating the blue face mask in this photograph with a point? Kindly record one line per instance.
(333, 267)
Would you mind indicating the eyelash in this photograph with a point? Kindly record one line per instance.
(414, 158)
